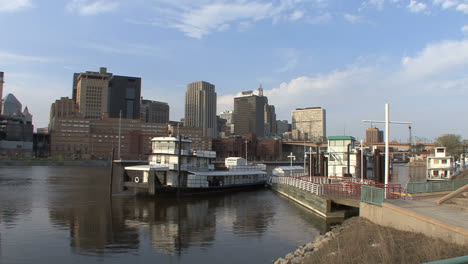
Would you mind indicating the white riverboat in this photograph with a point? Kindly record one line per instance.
(440, 166)
(173, 167)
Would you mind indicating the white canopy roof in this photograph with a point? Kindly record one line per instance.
(227, 173)
(146, 168)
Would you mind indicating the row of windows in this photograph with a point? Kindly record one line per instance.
(70, 125)
(73, 131)
(73, 121)
(106, 136)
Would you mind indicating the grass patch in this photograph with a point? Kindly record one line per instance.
(361, 241)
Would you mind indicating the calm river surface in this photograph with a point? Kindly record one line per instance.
(63, 215)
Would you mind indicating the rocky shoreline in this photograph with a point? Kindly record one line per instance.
(358, 240)
(304, 251)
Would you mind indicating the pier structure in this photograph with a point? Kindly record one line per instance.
(437, 209)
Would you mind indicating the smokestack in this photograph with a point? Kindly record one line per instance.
(260, 90)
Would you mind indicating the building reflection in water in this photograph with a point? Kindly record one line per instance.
(174, 225)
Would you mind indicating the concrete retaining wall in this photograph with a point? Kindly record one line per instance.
(319, 205)
(399, 218)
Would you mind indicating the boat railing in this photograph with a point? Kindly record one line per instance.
(247, 167)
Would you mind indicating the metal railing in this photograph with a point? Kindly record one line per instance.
(372, 195)
(344, 189)
(435, 186)
(309, 186)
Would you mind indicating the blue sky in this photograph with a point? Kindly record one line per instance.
(349, 57)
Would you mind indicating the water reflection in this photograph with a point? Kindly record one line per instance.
(13, 203)
(52, 209)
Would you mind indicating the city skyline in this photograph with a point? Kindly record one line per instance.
(348, 58)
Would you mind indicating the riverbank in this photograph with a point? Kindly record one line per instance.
(358, 240)
(50, 162)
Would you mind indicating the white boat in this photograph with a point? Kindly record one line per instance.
(173, 167)
(440, 166)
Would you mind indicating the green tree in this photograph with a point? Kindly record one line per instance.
(452, 142)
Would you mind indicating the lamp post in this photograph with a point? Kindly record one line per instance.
(291, 157)
(310, 162)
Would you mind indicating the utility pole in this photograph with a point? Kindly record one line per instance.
(387, 136)
(310, 162)
(291, 157)
(120, 125)
(246, 141)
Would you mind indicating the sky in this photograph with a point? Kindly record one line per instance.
(348, 57)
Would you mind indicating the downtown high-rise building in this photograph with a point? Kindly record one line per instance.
(200, 107)
(374, 135)
(154, 111)
(102, 94)
(92, 93)
(249, 112)
(312, 121)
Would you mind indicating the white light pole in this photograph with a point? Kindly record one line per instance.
(291, 157)
(310, 163)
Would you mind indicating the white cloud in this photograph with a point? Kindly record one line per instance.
(416, 7)
(199, 18)
(352, 18)
(436, 59)
(432, 76)
(320, 19)
(463, 8)
(464, 29)
(8, 57)
(378, 4)
(14, 5)
(93, 7)
(298, 14)
(199, 22)
(445, 3)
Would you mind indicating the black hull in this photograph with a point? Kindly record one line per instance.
(169, 191)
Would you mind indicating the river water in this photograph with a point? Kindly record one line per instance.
(64, 215)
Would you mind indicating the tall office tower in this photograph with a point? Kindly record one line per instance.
(200, 107)
(1, 91)
(92, 93)
(270, 120)
(311, 120)
(374, 135)
(124, 95)
(11, 106)
(154, 111)
(249, 111)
